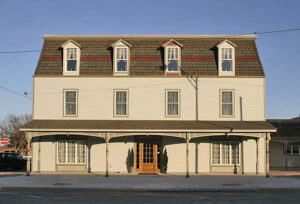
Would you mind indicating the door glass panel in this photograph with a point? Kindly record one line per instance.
(137, 155)
(148, 153)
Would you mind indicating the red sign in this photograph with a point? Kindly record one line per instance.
(4, 141)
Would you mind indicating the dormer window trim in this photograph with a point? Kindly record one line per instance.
(172, 54)
(226, 58)
(71, 58)
(121, 55)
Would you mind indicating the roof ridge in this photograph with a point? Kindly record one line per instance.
(150, 36)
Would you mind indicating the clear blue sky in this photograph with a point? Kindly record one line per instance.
(23, 22)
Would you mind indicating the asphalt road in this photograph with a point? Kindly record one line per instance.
(93, 196)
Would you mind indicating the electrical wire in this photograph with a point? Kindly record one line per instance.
(14, 92)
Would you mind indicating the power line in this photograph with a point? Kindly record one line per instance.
(277, 31)
(14, 92)
(19, 51)
(257, 33)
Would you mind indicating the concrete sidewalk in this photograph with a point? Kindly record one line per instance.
(152, 183)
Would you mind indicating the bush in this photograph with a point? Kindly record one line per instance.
(164, 161)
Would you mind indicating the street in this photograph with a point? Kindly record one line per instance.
(96, 196)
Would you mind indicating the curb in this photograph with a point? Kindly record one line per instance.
(178, 190)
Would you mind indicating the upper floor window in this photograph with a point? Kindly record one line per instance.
(172, 60)
(121, 64)
(227, 61)
(121, 103)
(121, 59)
(227, 103)
(172, 102)
(226, 55)
(70, 103)
(71, 58)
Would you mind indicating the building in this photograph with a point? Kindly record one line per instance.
(202, 98)
(284, 147)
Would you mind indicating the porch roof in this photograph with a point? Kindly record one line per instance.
(148, 126)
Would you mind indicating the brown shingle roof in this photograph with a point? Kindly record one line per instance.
(167, 125)
(199, 55)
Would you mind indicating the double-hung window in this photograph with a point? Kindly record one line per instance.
(172, 102)
(172, 59)
(293, 149)
(70, 102)
(227, 103)
(225, 153)
(121, 59)
(227, 61)
(226, 58)
(121, 102)
(71, 59)
(71, 152)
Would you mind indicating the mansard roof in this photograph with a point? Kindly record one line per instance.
(199, 54)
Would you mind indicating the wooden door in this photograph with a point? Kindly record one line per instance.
(148, 157)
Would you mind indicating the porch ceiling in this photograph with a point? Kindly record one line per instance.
(148, 126)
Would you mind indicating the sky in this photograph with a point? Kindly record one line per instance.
(23, 22)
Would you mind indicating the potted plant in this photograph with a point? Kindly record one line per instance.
(164, 161)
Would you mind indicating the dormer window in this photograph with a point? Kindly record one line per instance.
(121, 59)
(172, 60)
(71, 58)
(121, 64)
(227, 59)
(226, 55)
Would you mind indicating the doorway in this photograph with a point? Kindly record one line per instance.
(147, 155)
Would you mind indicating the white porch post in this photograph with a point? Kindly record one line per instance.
(268, 137)
(187, 155)
(28, 137)
(257, 156)
(39, 155)
(107, 154)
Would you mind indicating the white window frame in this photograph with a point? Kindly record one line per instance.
(166, 49)
(221, 143)
(227, 45)
(116, 60)
(221, 103)
(115, 102)
(65, 103)
(167, 102)
(76, 152)
(292, 146)
(70, 44)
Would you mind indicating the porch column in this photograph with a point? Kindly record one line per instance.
(187, 155)
(268, 137)
(39, 155)
(257, 155)
(286, 156)
(28, 137)
(107, 154)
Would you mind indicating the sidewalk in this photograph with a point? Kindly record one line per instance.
(196, 183)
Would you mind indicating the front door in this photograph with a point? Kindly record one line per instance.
(147, 157)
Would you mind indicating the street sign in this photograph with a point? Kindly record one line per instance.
(4, 141)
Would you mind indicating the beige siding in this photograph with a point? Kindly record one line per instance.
(48, 153)
(147, 97)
